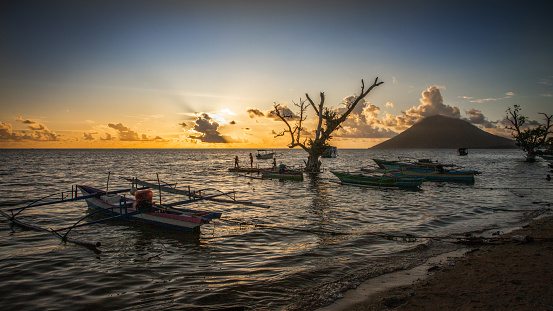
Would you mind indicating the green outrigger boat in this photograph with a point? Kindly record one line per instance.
(384, 180)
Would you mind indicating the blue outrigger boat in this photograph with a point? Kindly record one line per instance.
(382, 181)
(427, 169)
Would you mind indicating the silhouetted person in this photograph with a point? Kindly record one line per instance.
(236, 162)
(251, 160)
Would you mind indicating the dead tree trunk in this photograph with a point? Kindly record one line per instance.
(328, 121)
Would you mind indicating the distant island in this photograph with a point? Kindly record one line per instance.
(441, 132)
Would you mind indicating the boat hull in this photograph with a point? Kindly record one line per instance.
(378, 181)
(290, 175)
(436, 176)
(117, 205)
(426, 170)
(244, 169)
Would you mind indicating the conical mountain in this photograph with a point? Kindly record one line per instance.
(441, 132)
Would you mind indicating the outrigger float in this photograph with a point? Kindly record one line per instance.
(140, 208)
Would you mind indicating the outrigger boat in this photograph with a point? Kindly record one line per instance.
(141, 208)
(384, 180)
(427, 169)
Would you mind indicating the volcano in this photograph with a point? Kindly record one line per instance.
(441, 132)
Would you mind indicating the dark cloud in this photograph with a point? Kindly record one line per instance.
(182, 124)
(232, 122)
(88, 136)
(284, 111)
(255, 113)
(208, 130)
(476, 117)
(108, 137)
(124, 133)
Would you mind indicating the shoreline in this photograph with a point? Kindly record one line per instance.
(514, 271)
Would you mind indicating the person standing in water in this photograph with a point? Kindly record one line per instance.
(251, 160)
(236, 162)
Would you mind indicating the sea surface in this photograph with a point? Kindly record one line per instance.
(316, 239)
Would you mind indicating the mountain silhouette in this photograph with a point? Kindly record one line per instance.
(441, 132)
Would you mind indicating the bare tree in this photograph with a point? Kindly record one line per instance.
(328, 121)
(530, 140)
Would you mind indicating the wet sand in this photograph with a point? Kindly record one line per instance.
(510, 272)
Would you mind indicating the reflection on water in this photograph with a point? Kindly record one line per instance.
(317, 238)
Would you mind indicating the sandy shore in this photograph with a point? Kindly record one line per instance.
(511, 272)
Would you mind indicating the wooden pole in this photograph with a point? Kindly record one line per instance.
(107, 184)
(159, 185)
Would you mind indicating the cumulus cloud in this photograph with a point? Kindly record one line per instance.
(39, 132)
(362, 122)
(88, 136)
(284, 111)
(432, 103)
(6, 131)
(108, 137)
(255, 113)
(476, 117)
(124, 133)
(207, 130)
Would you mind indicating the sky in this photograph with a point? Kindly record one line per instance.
(206, 74)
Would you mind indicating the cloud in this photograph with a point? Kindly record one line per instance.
(108, 137)
(284, 111)
(6, 131)
(39, 132)
(232, 122)
(484, 100)
(476, 117)
(432, 103)
(362, 122)
(207, 130)
(88, 136)
(124, 133)
(182, 124)
(365, 121)
(255, 113)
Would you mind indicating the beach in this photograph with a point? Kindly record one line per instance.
(513, 271)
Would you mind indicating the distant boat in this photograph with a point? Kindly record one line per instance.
(330, 152)
(462, 151)
(428, 170)
(265, 154)
(383, 180)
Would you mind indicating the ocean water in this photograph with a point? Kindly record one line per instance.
(317, 238)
